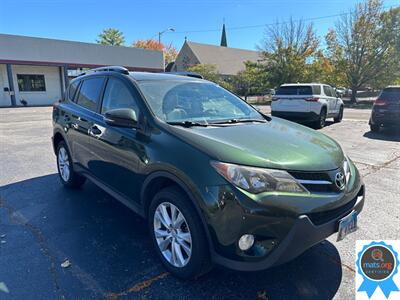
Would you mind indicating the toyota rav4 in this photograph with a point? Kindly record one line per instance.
(218, 181)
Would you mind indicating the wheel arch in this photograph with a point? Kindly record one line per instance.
(324, 106)
(162, 179)
(57, 138)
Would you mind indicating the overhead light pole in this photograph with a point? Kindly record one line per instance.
(162, 32)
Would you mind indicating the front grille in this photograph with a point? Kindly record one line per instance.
(319, 218)
(316, 182)
(310, 175)
(321, 188)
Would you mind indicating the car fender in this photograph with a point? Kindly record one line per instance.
(58, 130)
(324, 105)
(186, 185)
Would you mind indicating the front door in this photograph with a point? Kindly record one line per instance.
(116, 150)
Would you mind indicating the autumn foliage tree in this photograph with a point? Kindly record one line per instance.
(364, 44)
(169, 51)
(287, 50)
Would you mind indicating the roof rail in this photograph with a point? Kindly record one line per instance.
(188, 74)
(117, 69)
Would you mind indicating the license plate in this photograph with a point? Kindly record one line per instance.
(347, 225)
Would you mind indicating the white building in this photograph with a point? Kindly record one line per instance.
(35, 70)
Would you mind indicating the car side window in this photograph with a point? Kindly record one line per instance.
(316, 89)
(117, 95)
(72, 89)
(327, 91)
(333, 92)
(89, 92)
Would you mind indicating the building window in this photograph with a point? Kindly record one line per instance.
(31, 83)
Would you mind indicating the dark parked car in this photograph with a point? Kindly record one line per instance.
(218, 181)
(386, 109)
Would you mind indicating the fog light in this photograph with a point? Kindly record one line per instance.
(246, 241)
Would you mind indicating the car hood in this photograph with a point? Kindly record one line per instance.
(278, 144)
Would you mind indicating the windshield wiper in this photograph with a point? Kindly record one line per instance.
(233, 121)
(187, 123)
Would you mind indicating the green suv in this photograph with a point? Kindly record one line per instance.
(218, 182)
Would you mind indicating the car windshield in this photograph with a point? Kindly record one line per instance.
(195, 101)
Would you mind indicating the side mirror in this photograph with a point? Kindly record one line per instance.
(121, 117)
(338, 94)
(6, 89)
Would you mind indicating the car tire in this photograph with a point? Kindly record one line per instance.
(374, 127)
(339, 117)
(321, 120)
(69, 178)
(182, 248)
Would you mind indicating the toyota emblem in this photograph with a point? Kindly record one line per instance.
(340, 180)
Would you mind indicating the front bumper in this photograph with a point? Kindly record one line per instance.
(303, 235)
(284, 225)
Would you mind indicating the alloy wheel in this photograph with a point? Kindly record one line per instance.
(172, 234)
(63, 164)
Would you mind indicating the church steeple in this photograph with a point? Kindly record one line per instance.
(223, 37)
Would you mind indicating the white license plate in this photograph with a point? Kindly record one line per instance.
(347, 225)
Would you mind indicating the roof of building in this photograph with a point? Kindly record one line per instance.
(42, 51)
(229, 61)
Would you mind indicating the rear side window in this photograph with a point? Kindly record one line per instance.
(316, 89)
(72, 89)
(89, 93)
(117, 95)
(390, 94)
(295, 90)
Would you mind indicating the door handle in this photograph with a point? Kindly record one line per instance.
(94, 131)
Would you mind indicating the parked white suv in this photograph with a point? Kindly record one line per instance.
(307, 102)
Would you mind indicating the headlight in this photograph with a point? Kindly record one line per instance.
(258, 180)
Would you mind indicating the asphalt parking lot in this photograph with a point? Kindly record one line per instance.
(42, 225)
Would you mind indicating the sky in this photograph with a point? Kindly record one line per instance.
(198, 20)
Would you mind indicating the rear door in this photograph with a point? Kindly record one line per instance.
(329, 99)
(293, 98)
(82, 117)
(335, 101)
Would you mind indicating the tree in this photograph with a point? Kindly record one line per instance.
(287, 49)
(169, 51)
(322, 69)
(111, 36)
(210, 72)
(364, 45)
(251, 81)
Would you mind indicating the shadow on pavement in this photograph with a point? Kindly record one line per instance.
(111, 254)
(385, 134)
